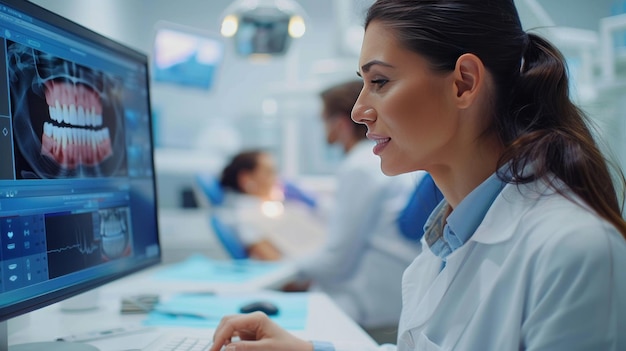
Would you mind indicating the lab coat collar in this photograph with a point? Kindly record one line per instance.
(425, 285)
(507, 210)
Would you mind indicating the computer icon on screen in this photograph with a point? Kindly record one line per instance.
(77, 183)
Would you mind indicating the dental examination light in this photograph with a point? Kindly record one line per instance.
(263, 27)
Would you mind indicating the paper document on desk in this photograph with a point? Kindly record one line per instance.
(201, 268)
(205, 311)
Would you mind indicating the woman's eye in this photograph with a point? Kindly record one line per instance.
(379, 82)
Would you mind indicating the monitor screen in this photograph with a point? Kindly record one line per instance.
(77, 186)
(186, 56)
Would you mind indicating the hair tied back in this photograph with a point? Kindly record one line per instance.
(525, 45)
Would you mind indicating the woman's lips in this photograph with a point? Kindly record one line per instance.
(381, 142)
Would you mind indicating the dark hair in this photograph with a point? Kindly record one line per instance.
(244, 161)
(340, 99)
(533, 115)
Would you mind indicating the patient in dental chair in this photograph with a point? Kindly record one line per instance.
(270, 224)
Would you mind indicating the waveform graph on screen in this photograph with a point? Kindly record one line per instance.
(77, 241)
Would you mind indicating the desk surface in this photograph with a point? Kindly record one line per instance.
(325, 321)
(148, 281)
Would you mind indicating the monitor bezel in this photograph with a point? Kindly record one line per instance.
(141, 58)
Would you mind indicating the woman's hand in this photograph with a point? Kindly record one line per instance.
(256, 333)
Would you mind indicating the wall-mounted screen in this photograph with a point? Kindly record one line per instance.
(186, 56)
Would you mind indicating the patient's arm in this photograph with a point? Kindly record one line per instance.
(264, 250)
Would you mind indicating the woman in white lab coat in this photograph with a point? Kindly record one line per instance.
(528, 249)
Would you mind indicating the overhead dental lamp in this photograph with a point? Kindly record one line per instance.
(263, 27)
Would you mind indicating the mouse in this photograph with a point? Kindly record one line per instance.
(266, 307)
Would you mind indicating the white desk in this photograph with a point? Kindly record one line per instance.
(325, 321)
(146, 282)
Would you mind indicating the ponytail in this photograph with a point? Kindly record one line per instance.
(542, 128)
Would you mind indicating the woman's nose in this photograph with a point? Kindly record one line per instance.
(363, 114)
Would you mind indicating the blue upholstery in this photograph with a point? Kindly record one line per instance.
(423, 201)
(228, 237)
(294, 193)
(211, 187)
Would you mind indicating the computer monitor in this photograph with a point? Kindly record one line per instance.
(77, 181)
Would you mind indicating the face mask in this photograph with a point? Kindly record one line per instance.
(334, 153)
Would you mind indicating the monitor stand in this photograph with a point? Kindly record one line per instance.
(38, 346)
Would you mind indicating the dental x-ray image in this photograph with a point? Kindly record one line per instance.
(115, 232)
(67, 118)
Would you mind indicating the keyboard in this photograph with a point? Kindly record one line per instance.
(180, 343)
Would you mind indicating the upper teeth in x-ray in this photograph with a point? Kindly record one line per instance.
(77, 136)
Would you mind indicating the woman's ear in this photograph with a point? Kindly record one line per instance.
(469, 79)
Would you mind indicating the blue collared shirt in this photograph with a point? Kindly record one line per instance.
(461, 224)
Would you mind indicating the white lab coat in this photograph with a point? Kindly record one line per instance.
(358, 266)
(539, 273)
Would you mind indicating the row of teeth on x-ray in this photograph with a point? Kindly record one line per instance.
(78, 116)
(80, 136)
(74, 104)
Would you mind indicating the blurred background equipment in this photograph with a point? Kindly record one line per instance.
(263, 27)
(186, 56)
